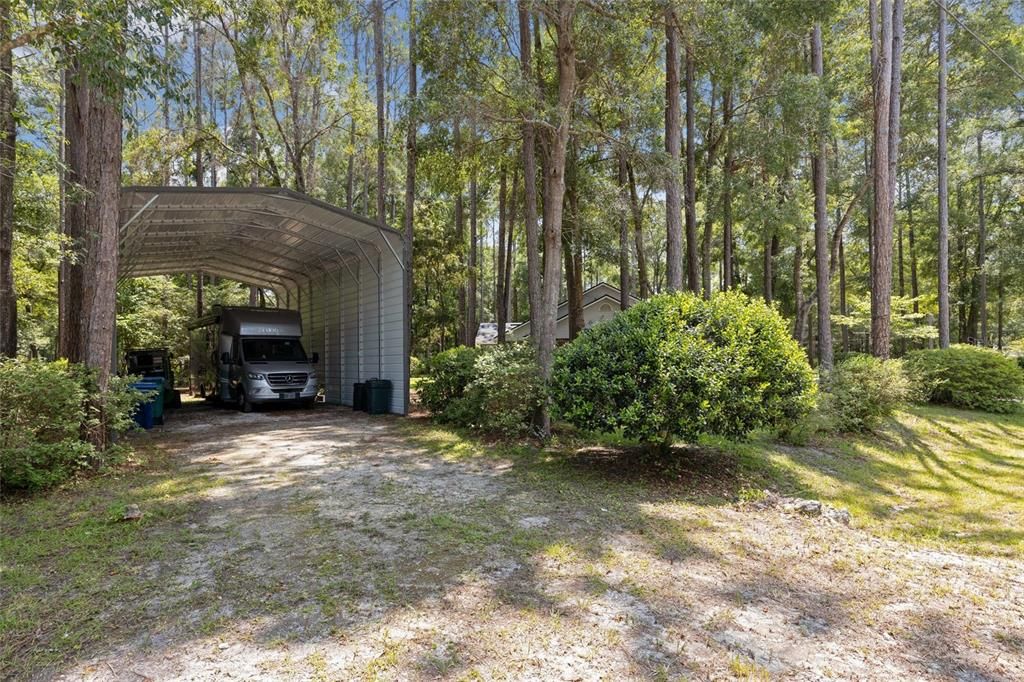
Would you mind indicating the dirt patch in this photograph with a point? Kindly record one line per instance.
(338, 546)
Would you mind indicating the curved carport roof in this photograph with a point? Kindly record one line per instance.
(343, 272)
(263, 236)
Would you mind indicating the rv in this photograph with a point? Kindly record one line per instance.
(248, 356)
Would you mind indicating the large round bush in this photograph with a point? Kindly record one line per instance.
(968, 376)
(678, 366)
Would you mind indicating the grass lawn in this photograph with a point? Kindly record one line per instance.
(332, 545)
(952, 478)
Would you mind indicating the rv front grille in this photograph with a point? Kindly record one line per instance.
(287, 379)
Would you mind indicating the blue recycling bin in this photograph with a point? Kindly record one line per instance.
(146, 413)
(150, 384)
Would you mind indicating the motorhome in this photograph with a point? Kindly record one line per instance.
(248, 356)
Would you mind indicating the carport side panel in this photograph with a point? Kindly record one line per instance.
(392, 321)
(350, 317)
(326, 335)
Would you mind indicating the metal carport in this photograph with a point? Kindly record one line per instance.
(342, 271)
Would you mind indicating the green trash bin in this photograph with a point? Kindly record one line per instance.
(380, 396)
(360, 400)
(155, 384)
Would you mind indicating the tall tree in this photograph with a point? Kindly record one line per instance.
(8, 138)
(673, 144)
(821, 240)
(625, 269)
(378, 51)
(981, 288)
(533, 262)
(943, 189)
(562, 15)
(410, 186)
(887, 37)
(692, 257)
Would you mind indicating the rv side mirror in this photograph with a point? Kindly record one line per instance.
(225, 358)
(316, 358)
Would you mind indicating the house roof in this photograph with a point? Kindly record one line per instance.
(601, 291)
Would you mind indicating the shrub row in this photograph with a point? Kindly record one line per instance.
(679, 366)
(48, 412)
(969, 377)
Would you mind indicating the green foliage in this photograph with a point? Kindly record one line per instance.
(46, 409)
(968, 376)
(416, 366)
(448, 374)
(495, 389)
(680, 366)
(862, 390)
(505, 392)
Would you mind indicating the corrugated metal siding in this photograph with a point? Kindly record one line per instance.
(355, 321)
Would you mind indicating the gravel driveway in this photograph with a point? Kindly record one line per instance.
(339, 546)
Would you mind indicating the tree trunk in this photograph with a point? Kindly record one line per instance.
(565, 54)
(8, 139)
(500, 309)
(982, 288)
(625, 270)
(727, 170)
(709, 221)
(842, 293)
(197, 58)
(910, 242)
(943, 179)
(821, 236)
(460, 237)
(350, 171)
(199, 170)
(572, 248)
(533, 264)
(798, 293)
(673, 212)
(410, 189)
(510, 222)
(378, 51)
(886, 78)
(94, 139)
(693, 279)
(472, 265)
(643, 281)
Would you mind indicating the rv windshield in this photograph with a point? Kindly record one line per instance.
(273, 350)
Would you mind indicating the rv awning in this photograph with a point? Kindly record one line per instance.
(263, 236)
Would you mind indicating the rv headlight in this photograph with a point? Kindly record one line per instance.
(256, 375)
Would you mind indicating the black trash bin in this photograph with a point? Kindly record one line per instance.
(380, 396)
(359, 397)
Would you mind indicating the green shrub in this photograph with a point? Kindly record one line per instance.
(493, 389)
(862, 390)
(47, 409)
(415, 366)
(679, 366)
(968, 376)
(505, 392)
(447, 374)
